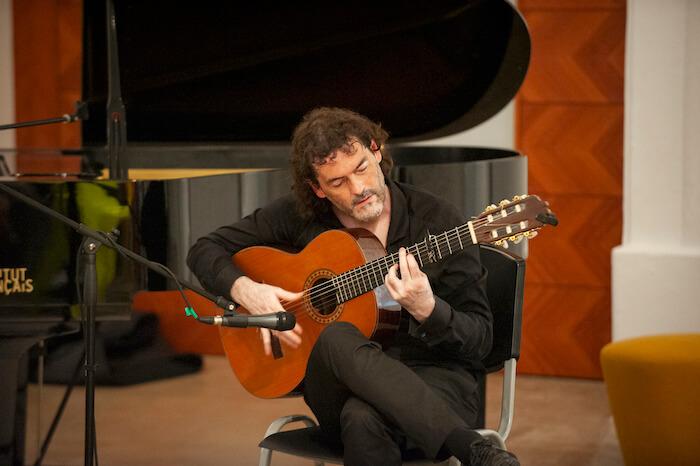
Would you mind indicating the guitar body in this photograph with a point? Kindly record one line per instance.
(328, 255)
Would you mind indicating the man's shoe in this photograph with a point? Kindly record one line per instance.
(485, 453)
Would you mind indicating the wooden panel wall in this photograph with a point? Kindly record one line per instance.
(48, 58)
(569, 121)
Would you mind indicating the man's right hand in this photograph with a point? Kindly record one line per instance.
(259, 298)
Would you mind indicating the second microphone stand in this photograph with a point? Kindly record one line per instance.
(93, 240)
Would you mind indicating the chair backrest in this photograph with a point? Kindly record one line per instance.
(505, 287)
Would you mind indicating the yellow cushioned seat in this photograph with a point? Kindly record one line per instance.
(654, 392)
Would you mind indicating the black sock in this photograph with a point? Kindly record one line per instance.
(458, 443)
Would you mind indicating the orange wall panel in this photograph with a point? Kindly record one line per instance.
(572, 140)
(577, 56)
(577, 252)
(569, 122)
(565, 328)
(48, 60)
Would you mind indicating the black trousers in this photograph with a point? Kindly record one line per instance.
(379, 407)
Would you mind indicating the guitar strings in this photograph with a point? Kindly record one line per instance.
(356, 278)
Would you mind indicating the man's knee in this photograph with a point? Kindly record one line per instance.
(337, 334)
(337, 349)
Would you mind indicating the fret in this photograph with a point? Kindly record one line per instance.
(344, 285)
(338, 289)
(361, 281)
(437, 246)
(459, 237)
(420, 258)
(351, 285)
(357, 284)
(376, 273)
(371, 278)
(335, 286)
(448, 243)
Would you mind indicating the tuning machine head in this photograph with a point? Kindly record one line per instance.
(502, 243)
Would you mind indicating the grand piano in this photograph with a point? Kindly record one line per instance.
(211, 93)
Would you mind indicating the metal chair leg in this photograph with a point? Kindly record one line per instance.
(276, 426)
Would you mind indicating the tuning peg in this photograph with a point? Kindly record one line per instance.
(491, 207)
(530, 234)
(504, 203)
(517, 198)
(516, 238)
(502, 243)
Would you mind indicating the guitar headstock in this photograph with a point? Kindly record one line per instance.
(513, 220)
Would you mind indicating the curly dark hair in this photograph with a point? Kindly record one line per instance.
(321, 132)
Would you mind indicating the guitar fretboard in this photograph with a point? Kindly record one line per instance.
(369, 276)
(507, 221)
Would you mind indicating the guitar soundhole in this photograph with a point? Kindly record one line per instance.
(324, 301)
(320, 302)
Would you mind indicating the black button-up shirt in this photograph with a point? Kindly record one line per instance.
(459, 330)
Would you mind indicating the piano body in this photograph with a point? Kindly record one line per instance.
(212, 92)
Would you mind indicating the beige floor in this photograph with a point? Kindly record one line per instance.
(208, 419)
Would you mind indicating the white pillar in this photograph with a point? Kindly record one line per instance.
(656, 270)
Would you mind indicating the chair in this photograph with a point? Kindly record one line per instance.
(505, 291)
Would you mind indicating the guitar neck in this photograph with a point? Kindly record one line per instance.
(433, 248)
(510, 221)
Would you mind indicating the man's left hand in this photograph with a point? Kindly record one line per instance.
(413, 289)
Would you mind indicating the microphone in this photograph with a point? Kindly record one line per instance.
(277, 321)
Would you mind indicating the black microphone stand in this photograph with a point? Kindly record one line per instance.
(81, 113)
(93, 240)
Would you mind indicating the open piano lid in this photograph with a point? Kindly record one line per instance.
(211, 71)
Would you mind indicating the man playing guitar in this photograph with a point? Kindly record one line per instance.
(418, 390)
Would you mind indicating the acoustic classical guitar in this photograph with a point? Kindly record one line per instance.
(337, 272)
